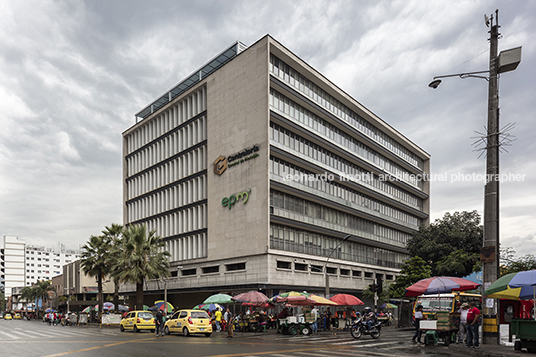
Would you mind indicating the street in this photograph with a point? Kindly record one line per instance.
(37, 339)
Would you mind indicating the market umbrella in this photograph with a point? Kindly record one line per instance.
(200, 307)
(253, 297)
(346, 300)
(123, 308)
(218, 299)
(440, 284)
(160, 304)
(145, 308)
(50, 310)
(514, 286)
(319, 300)
(266, 305)
(388, 305)
(293, 298)
(108, 306)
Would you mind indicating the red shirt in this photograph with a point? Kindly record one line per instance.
(471, 314)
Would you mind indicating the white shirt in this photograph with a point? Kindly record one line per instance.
(418, 315)
(463, 315)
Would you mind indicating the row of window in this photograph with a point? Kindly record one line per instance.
(43, 265)
(290, 109)
(292, 77)
(164, 200)
(214, 269)
(340, 166)
(169, 145)
(190, 247)
(342, 220)
(171, 171)
(180, 222)
(329, 270)
(293, 240)
(302, 176)
(172, 117)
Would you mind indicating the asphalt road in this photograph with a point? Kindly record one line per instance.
(21, 338)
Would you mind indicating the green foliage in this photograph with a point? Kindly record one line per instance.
(440, 243)
(94, 261)
(511, 264)
(413, 270)
(140, 255)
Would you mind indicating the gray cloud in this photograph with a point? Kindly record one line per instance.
(75, 73)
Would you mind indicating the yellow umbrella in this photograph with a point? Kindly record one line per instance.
(321, 301)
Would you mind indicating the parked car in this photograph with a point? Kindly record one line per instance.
(189, 322)
(137, 321)
(8, 317)
(17, 316)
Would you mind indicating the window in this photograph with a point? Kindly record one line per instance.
(212, 269)
(356, 273)
(345, 272)
(369, 275)
(300, 267)
(331, 270)
(189, 272)
(284, 265)
(235, 267)
(389, 277)
(317, 269)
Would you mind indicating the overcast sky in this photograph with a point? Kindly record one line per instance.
(74, 73)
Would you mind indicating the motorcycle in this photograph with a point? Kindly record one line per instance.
(359, 328)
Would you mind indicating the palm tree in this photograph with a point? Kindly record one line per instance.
(94, 262)
(29, 294)
(41, 289)
(140, 256)
(113, 234)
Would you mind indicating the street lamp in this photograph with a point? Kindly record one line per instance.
(165, 280)
(489, 256)
(325, 265)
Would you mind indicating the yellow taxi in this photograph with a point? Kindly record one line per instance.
(16, 316)
(189, 322)
(137, 321)
(8, 317)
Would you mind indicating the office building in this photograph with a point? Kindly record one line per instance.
(260, 173)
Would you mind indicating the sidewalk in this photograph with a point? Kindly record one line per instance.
(486, 350)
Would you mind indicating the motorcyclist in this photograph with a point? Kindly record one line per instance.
(370, 317)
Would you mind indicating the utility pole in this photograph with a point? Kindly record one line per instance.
(490, 266)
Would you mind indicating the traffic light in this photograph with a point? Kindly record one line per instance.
(379, 285)
(373, 287)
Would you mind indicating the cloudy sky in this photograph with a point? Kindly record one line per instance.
(74, 73)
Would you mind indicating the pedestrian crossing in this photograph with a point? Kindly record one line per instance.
(335, 340)
(52, 332)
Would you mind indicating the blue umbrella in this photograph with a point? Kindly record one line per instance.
(523, 280)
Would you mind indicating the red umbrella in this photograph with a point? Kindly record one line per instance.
(266, 305)
(252, 297)
(346, 300)
(440, 284)
(295, 300)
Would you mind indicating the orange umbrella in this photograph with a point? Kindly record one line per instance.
(346, 300)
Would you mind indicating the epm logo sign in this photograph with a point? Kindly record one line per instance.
(222, 163)
(231, 200)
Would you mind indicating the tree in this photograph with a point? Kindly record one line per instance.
(412, 270)
(29, 294)
(94, 262)
(113, 234)
(140, 256)
(435, 243)
(511, 264)
(42, 288)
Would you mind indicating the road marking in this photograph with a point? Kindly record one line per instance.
(88, 349)
(268, 352)
(10, 336)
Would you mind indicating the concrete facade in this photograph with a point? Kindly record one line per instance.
(220, 167)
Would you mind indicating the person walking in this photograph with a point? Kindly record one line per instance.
(418, 317)
(228, 316)
(462, 334)
(159, 323)
(473, 321)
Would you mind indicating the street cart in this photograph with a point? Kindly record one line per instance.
(441, 325)
(294, 325)
(525, 332)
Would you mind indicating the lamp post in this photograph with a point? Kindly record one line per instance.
(489, 255)
(325, 265)
(178, 267)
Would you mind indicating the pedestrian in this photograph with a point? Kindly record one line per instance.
(228, 316)
(462, 334)
(418, 317)
(328, 319)
(159, 323)
(217, 315)
(473, 321)
(314, 313)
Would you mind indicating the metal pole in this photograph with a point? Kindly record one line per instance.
(325, 265)
(491, 199)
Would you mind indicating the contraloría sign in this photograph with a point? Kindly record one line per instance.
(222, 163)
